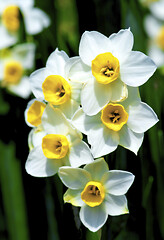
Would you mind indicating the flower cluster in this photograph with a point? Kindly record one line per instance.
(96, 94)
(155, 19)
(18, 18)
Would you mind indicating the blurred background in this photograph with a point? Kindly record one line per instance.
(32, 208)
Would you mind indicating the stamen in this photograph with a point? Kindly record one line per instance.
(105, 68)
(114, 116)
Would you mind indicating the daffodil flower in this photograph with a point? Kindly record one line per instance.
(117, 124)
(98, 191)
(107, 66)
(14, 65)
(156, 36)
(60, 145)
(157, 9)
(53, 85)
(34, 19)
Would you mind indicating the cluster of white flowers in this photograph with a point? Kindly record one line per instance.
(16, 60)
(95, 93)
(154, 26)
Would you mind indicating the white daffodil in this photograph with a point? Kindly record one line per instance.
(157, 9)
(61, 145)
(117, 124)
(156, 35)
(107, 65)
(53, 85)
(14, 64)
(10, 20)
(97, 191)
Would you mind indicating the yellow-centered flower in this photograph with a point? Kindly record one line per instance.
(93, 194)
(56, 89)
(114, 116)
(105, 68)
(10, 18)
(97, 191)
(55, 146)
(35, 112)
(13, 72)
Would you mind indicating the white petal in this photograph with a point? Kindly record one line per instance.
(156, 54)
(102, 141)
(155, 26)
(70, 62)
(130, 139)
(68, 108)
(93, 217)
(35, 21)
(36, 80)
(79, 72)
(25, 4)
(137, 69)
(94, 96)
(116, 205)
(91, 44)
(25, 53)
(141, 117)
(122, 43)
(97, 169)
(38, 165)
(133, 97)
(54, 122)
(117, 182)
(35, 137)
(83, 122)
(119, 91)
(75, 90)
(7, 39)
(74, 178)
(157, 8)
(80, 154)
(22, 89)
(74, 197)
(56, 62)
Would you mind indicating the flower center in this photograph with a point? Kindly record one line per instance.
(13, 72)
(35, 112)
(93, 194)
(10, 18)
(56, 89)
(160, 38)
(55, 146)
(105, 68)
(114, 116)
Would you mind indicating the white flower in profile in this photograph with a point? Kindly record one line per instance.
(33, 112)
(107, 65)
(157, 9)
(53, 85)
(155, 31)
(57, 144)
(98, 191)
(117, 124)
(35, 20)
(14, 66)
